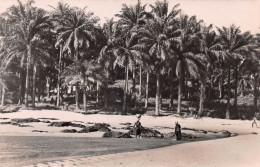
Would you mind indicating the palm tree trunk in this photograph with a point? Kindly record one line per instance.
(34, 85)
(160, 96)
(77, 97)
(133, 88)
(179, 93)
(157, 99)
(221, 95)
(20, 86)
(97, 100)
(242, 90)
(202, 96)
(84, 99)
(140, 82)
(3, 97)
(106, 90)
(235, 98)
(220, 88)
(147, 90)
(171, 94)
(125, 91)
(48, 86)
(229, 93)
(255, 92)
(29, 52)
(59, 77)
(39, 90)
(210, 90)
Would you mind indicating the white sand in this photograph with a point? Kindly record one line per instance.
(240, 151)
(206, 123)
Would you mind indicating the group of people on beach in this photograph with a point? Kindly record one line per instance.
(138, 129)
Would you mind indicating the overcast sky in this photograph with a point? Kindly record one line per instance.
(243, 13)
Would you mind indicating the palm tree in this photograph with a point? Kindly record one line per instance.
(209, 52)
(59, 17)
(130, 19)
(185, 51)
(126, 54)
(235, 45)
(107, 57)
(82, 72)
(30, 22)
(77, 34)
(156, 35)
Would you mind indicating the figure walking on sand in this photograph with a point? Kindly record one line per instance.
(178, 131)
(254, 121)
(138, 127)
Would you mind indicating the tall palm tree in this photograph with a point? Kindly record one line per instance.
(210, 50)
(185, 50)
(156, 35)
(107, 57)
(130, 19)
(30, 21)
(126, 54)
(59, 17)
(235, 45)
(77, 34)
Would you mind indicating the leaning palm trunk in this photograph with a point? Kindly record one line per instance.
(147, 90)
(59, 77)
(106, 90)
(229, 93)
(133, 88)
(125, 91)
(157, 99)
(77, 97)
(3, 97)
(235, 98)
(34, 85)
(179, 94)
(97, 99)
(20, 86)
(39, 90)
(171, 94)
(202, 96)
(140, 79)
(255, 92)
(84, 89)
(220, 88)
(29, 51)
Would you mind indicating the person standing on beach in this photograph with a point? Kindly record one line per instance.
(137, 127)
(178, 131)
(254, 121)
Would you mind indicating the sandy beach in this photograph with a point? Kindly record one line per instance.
(187, 154)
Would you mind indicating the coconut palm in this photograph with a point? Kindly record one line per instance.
(156, 35)
(126, 54)
(30, 21)
(130, 19)
(185, 51)
(235, 45)
(209, 52)
(58, 18)
(77, 34)
(107, 57)
(83, 72)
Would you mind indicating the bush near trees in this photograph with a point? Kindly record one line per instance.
(63, 54)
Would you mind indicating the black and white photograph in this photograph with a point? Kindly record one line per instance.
(129, 83)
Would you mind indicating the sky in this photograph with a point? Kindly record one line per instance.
(243, 13)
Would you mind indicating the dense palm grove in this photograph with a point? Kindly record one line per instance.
(165, 54)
